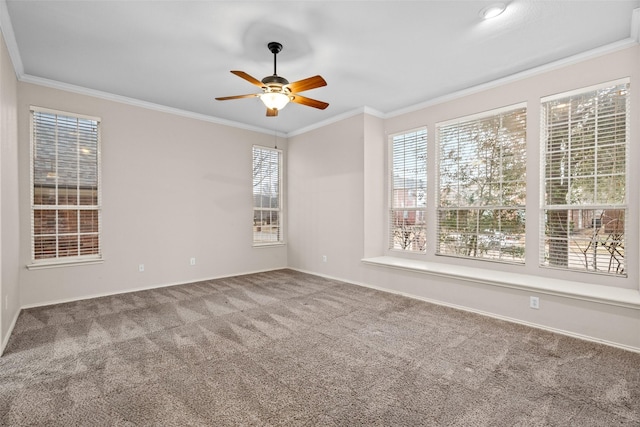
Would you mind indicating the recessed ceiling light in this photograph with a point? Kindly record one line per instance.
(492, 10)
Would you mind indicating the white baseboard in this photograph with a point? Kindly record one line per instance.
(378, 288)
(5, 339)
(142, 288)
(481, 312)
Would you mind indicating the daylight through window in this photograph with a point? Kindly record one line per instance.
(482, 186)
(267, 196)
(585, 144)
(65, 177)
(407, 230)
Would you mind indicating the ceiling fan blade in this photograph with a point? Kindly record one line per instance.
(306, 84)
(272, 112)
(299, 99)
(248, 78)
(226, 98)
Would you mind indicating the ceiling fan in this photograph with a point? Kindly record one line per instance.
(277, 91)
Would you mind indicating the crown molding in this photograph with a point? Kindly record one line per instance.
(635, 25)
(10, 39)
(561, 63)
(594, 53)
(338, 118)
(143, 104)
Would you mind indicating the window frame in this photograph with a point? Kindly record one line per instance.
(606, 208)
(279, 210)
(58, 260)
(506, 255)
(417, 210)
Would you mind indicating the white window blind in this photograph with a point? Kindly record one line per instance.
(65, 178)
(267, 196)
(482, 186)
(585, 142)
(408, 177)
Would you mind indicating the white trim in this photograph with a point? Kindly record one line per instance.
(281, 208)
(546, 124)
(36, 109)
(57, 260)
(480, 312)
(609, 295)
(482, 114)
(635, 25)
(390, 136)
(582, 90)
(145, 288)
(142, 104)
(10, 39)
(338, 118)
(5, 339)
(65, 263)
(465, 157)
(574, 59)
(428, 300)
(268, 245)
(594, 53)
(373, 112)
(571, 60)
(14, 53)
(391, 209)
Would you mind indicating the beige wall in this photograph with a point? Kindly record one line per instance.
(326, 198)
(375, 151)
(591, 72)
(176, 187)
(9, 215)
(172, 188)
(326, 170)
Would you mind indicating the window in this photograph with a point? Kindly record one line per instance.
(65, 178)
(482, 186)
(585, 140)
(408, 191)
(267, 196)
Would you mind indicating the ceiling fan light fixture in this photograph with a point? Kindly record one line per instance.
(274, 100)
(277, 92)
(492, 10)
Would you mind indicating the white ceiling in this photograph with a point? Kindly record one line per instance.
(384, 55)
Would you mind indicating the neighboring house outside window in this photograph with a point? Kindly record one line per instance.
(65, 187)
(482, 185)
(585, 143)
(267, 196)
(408, 181)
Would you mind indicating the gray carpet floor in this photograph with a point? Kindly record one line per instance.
(287, 348)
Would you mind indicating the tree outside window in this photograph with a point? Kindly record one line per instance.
(585, 143)
(482, 186)
(267, 198)
(407, 228)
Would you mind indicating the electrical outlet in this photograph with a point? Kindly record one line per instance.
(141, 268)
(192, 261)
(324, 258)
(534, 302)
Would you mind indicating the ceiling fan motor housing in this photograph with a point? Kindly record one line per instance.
(277, 80)
(274, 47)
(277, 91)
(276, 84)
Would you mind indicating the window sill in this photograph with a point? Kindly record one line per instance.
(268, 245)
(621, 297)
(65, 263)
